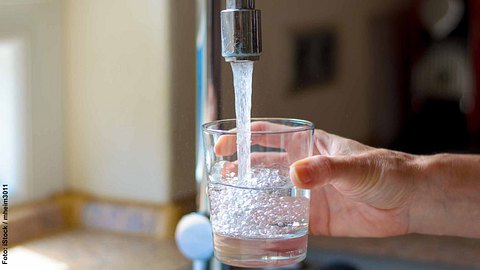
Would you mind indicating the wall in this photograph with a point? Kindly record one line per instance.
(343, 106)
(118, 98)
(130, 98)
(125, 82)
(37, 26)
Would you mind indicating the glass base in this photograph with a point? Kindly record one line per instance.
(260, 253)
(262, 263)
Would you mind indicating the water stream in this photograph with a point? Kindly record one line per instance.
(242, 82)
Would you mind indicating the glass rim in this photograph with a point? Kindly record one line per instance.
(305, 125)
(289, 185)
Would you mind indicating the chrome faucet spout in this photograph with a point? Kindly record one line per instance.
(241, 31)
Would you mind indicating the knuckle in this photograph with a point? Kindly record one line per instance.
(325, 166)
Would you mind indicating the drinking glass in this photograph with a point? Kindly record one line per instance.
(259, 218)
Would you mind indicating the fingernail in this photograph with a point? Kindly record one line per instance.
(299, 172)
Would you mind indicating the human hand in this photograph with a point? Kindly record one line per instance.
(356, 190)
(351, 192)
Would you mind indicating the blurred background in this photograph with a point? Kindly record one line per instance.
(97, 114)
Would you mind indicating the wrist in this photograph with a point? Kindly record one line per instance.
(446, 200)
(426, 207)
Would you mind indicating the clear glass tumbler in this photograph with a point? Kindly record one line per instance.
(261, 218)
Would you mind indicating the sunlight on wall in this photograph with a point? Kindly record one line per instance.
(31, 93)
(12, 115)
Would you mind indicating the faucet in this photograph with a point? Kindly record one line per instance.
(241, 31)
(241, 40)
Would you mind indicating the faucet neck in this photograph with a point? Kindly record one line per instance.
(240, 4)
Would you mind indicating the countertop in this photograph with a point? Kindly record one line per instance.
(454, 251)
(81, 249)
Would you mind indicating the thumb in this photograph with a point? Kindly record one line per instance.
(342, 171)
